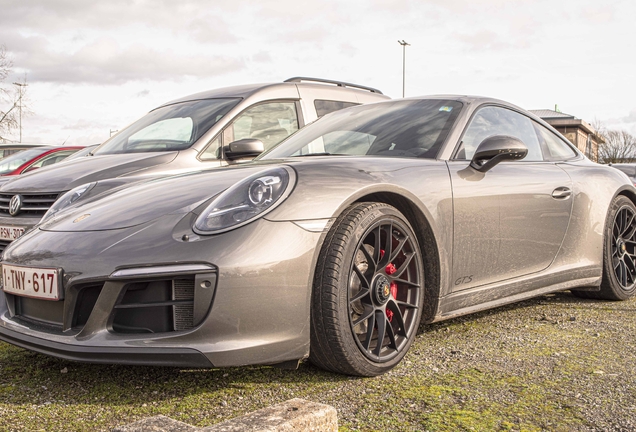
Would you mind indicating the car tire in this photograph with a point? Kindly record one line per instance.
(368, 292)
(619, 254)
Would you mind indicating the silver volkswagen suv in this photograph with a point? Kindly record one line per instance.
(204, 130)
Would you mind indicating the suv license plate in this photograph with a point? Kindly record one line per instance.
(10, 232)
(41, 283)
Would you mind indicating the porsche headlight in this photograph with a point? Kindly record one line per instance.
(245, 201)
(67, 200)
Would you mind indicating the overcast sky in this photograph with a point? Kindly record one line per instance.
(93, 66)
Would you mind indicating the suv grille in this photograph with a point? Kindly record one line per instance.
(32, 204)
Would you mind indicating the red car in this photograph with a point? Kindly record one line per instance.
(30, 159)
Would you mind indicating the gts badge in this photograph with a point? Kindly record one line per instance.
(464, 280)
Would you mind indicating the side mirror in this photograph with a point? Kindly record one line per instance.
(496, 149)
(244, 148)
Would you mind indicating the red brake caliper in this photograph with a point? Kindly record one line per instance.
(390, 269)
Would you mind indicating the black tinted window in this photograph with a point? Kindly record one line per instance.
(415, 128)
(326, 106)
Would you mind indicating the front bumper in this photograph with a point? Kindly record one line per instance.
(177, 357)
(259, 313)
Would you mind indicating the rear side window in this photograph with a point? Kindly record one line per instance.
(554, 149)
(324, 107)
(493, 120)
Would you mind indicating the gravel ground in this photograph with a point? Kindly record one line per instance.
(554, 363)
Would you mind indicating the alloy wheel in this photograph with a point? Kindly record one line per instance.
(623, 247)
(384, 290)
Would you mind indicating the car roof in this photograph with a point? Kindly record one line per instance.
(244, 91)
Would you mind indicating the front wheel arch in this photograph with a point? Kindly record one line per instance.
(428, 242)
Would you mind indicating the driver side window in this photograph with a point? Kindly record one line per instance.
(492, 120)
(269, 122)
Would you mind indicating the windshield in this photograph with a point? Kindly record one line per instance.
(172, 127)
(13, 162)
(413, 128)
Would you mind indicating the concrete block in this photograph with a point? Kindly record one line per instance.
(292, 415)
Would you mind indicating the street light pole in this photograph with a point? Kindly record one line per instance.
(404, 44)
(20, 85)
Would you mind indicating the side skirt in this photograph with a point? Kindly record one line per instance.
(483, 298)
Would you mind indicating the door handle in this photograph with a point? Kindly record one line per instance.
(561, 193)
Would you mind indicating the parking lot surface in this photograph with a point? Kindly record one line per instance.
(552, 363)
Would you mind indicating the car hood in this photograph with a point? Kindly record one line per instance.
(149, 200)
(317, 194)
(67, 175)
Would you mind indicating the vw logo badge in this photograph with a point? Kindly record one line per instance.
(15, 205)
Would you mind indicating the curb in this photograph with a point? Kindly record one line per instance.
(292, 415)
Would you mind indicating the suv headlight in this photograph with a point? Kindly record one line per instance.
(246, 201)
(66, 200)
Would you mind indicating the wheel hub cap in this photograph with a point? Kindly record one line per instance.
(382, 289)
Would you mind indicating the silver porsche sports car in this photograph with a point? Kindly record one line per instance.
(334, 245)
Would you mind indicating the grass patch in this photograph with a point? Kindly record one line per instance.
(519, 368)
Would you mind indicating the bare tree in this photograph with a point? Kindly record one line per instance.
(12, 99)
(619, 147)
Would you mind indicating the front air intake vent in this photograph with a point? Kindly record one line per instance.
(183, 314)
(158, 306)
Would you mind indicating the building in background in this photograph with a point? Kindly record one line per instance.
(579, 132)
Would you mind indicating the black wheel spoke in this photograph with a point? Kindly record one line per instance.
(628, 233)
(630, 267)
(404, 265)
(398, 248)
(391, 335)
(406, 282)
(406, 305)
(363, 279)
(370, 259)
(377, 247)
(380, 319)
(623, 273)
(388, 245)
(360, 295)
(368, 311)
(370, 328)
(397, 315)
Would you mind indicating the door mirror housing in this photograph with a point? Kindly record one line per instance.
(496, 149)
(244, 148)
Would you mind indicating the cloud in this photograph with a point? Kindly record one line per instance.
(105, 61)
